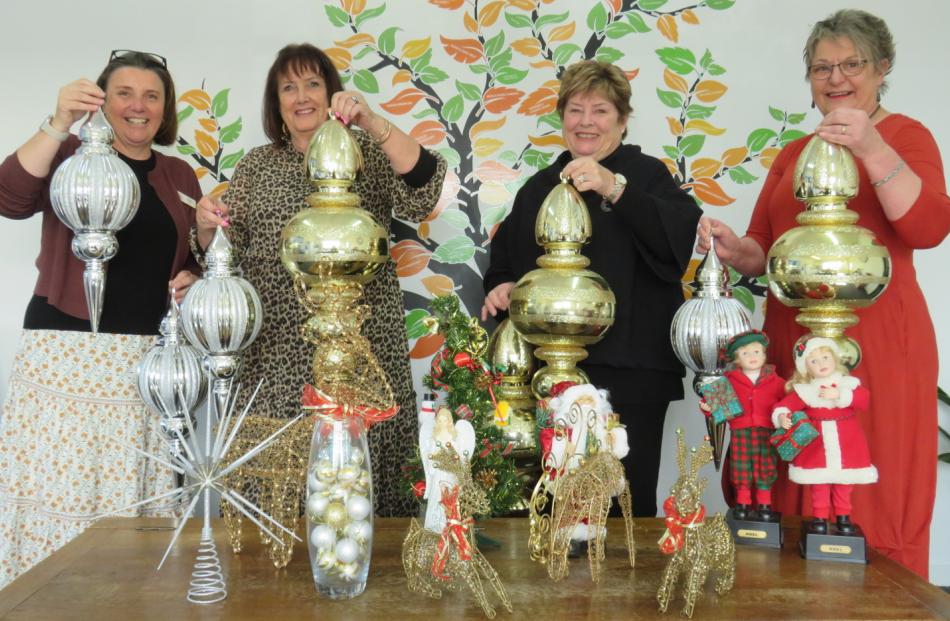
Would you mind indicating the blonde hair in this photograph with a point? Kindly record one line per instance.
(804, 378)
(594, 76)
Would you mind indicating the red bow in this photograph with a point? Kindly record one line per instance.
(455, 533)
(673, 539)
(322, 403)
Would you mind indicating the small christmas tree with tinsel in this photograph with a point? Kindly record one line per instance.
(461, 372)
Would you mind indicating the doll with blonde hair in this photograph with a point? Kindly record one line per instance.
(838, 459)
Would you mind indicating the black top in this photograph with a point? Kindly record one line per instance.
(642, 246)
(136, 294)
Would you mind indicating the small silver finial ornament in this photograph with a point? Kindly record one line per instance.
(95, 194)
(701, 328)
(221, 315)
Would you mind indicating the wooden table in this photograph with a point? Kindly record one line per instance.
(109, 573)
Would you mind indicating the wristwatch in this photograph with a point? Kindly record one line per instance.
(620, 182)
(48, 129)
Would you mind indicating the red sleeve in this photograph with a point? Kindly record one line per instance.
(861, 398)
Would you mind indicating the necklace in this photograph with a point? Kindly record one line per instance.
(873, 114)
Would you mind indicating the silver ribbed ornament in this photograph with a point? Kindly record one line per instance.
(170, 379)
(701, 328)
(95, 194)
(221, 315)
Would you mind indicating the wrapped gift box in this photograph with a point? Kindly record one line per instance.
(719, 395)
(790, 442)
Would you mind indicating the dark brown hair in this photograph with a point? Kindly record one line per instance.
(294, 58)
(168, 130)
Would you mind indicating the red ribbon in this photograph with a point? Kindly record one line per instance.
(787, 436)
(315, 399)
(674, 537)
(455, 533)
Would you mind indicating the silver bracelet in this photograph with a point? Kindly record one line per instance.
(890, 175)
(48, 129)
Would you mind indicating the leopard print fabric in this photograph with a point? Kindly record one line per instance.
(269, 186)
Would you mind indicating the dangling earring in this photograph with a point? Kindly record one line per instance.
(285, 132)
(812, 104)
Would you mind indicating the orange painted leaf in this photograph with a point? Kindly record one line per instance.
(524, 5)
(562, 32)
(632, 74)
(710, 90)
(410, 257)
(219, 189)
(354, 7)
(207, 145)
(403, 75)
(426, 346)
(486, 126)
(674, 81)
(469, 22)
(548, 140)
(767, 156)
(360, 38)
(438, 284)
(341, 57)
(485, 146)
(528, 46)
(703, 126)
(689, 17)
(543, 64)
(670, 165)
(500, 98)
(489, 13)
(422, 231)
(494, 171)
(428, 133)
(463, 50)
(676, 128)
(704, 167)
(209, 124)
(614, 5)
(403, 102)
(201, 171)
(447, 4)
(709, 191)
(541, 101)
(196, 98)
(415, 48)
(667, 27)
(735, 156)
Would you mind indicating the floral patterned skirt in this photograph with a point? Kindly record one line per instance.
(71, 407)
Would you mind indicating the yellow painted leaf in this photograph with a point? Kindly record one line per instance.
(208, 124)
(703, 126)
(494, 194)
(710, 90)
(416, 47)
(548, 140)
(486, 126)
(196, 98)
(670, 165)
(422, 231)
(201, 171)
(689, 17)
(341, 57)
(690, 274)
(554, 85)
(360, 38)
(448, 4)
(219, 189)
(354, 7)
(524, 5)
(543, 64)
(528, 46)
(734, 157)
(667, 27)
(674, 81)
(488, 14)
(676, 128)
(469, 22)
(207, 145)
(403, 75)
(562, 32)
(485, 146)
(767, 156)
(704, 167)
(438, 284)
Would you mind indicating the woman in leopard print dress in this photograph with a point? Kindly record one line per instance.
(269, 186)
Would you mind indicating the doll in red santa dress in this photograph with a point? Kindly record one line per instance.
(838, 459)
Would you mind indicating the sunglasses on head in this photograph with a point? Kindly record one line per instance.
(157, 58)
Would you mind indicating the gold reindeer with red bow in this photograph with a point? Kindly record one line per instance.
(695, 545)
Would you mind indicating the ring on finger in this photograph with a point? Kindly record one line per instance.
(355, 98)
(582, 178)
(844, 129)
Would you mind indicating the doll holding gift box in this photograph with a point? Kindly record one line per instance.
(838, 458)
(745, 397)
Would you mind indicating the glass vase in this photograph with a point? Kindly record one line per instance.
(339, 507)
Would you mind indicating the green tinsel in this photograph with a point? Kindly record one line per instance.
(468, 390)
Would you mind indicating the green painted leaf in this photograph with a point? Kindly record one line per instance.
(741, 175)
(421, 62)
(563, 53)
(338, 17)
(670, 99)
(219, 105)
(552, 119)
(421, 114)
(415, 328)
(365, 81)
(678, 59)
(456, 218)
(432, 75)
(537, 159)
(186, 149)
(696, 111)
(759, 138)
(745, 297)
(597, 18)
(387, 40)
(495, 44)
(452, 109)
(231, 160)
(607, 54)
(507, 156)
(777, 114)
(789, 135)
(184, 113)
(469, 91)
(366, 51)
(477, 69)
(617, 30)
(762, 280)
(691, 145)
(500, 61)
(516, 20)
(345, 77)
(369, 14)
(795, 119)
(510, 75)
(706, 60)
(715, 69)
(553, 18)
(452, 157)
(637, 23)
(456, 250)
(492, 216)
(671, 152)
(650, 5)
(720, 5)
(230, 133)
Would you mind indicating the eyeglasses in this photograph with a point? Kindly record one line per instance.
(120, 54)
(848, 67)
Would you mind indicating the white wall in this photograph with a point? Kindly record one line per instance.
(44, 44)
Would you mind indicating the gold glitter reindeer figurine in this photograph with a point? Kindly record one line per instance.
(695, 545)
(451, 558)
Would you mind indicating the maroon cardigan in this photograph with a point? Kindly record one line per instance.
(60, 279)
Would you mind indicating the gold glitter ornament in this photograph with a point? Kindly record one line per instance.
(335, 515)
